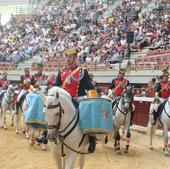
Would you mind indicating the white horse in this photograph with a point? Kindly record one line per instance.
(22, 107)
(122, 111)
(163, 119)
(64, 132)
(29, 129)
(7, 104)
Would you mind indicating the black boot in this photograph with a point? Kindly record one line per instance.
(42, 138)
(92, 141)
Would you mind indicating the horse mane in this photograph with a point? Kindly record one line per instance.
(60, 91)
(64, 96)
(129, 91)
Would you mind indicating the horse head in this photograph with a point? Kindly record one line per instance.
(55, 103)
(11, 90)
(127, 97)
(44, 88)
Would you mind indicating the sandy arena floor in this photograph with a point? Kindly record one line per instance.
(16, 153)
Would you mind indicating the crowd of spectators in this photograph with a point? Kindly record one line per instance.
(99, 39)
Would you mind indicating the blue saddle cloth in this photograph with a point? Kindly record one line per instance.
(96, 116)
(35, 115)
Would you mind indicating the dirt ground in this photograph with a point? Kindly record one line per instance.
(16, 153)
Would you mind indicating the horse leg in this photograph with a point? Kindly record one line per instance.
(1, 119)
(115, 141)
(5, 127)
(128, 135)
(57, 157)
(151, 130)
(17, 122)
(165, 132)
(45, 141)
(71, 158)
(12, 122)
(123, 133)
(26, 128)
(82, 161)
(32, 139)
(118, 142)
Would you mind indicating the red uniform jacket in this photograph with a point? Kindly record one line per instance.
(118, 85)
(28, 79)
(4, 84)
(38, 79)
(163, 88)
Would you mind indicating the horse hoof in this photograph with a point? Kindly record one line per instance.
(44, 148)
(119, 152)
(27, 136)
(151, 147)
(12, 125)
(126, 151)
(23, 132)
(32, 143)
(115, 148)
(17, 132)
(166, 154)
(5, 128)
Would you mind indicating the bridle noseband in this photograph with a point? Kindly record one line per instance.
(61, 111)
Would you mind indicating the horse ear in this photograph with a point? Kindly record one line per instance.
(57, 95)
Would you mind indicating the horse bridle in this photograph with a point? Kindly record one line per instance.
(8, 96)
(124, 102)
(57, 126)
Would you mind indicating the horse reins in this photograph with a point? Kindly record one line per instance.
(8, 96)
(124, 113)
(57, 127)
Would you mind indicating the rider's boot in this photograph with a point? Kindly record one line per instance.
(42, 138)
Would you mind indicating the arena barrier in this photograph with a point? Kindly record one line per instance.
(141, 117)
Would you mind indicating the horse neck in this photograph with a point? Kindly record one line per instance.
(69, 111)
(120, 105)
(167, 107)
(8, 95)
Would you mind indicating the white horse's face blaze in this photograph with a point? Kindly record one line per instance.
(52, 117)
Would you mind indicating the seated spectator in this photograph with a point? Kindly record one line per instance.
(138, 93)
